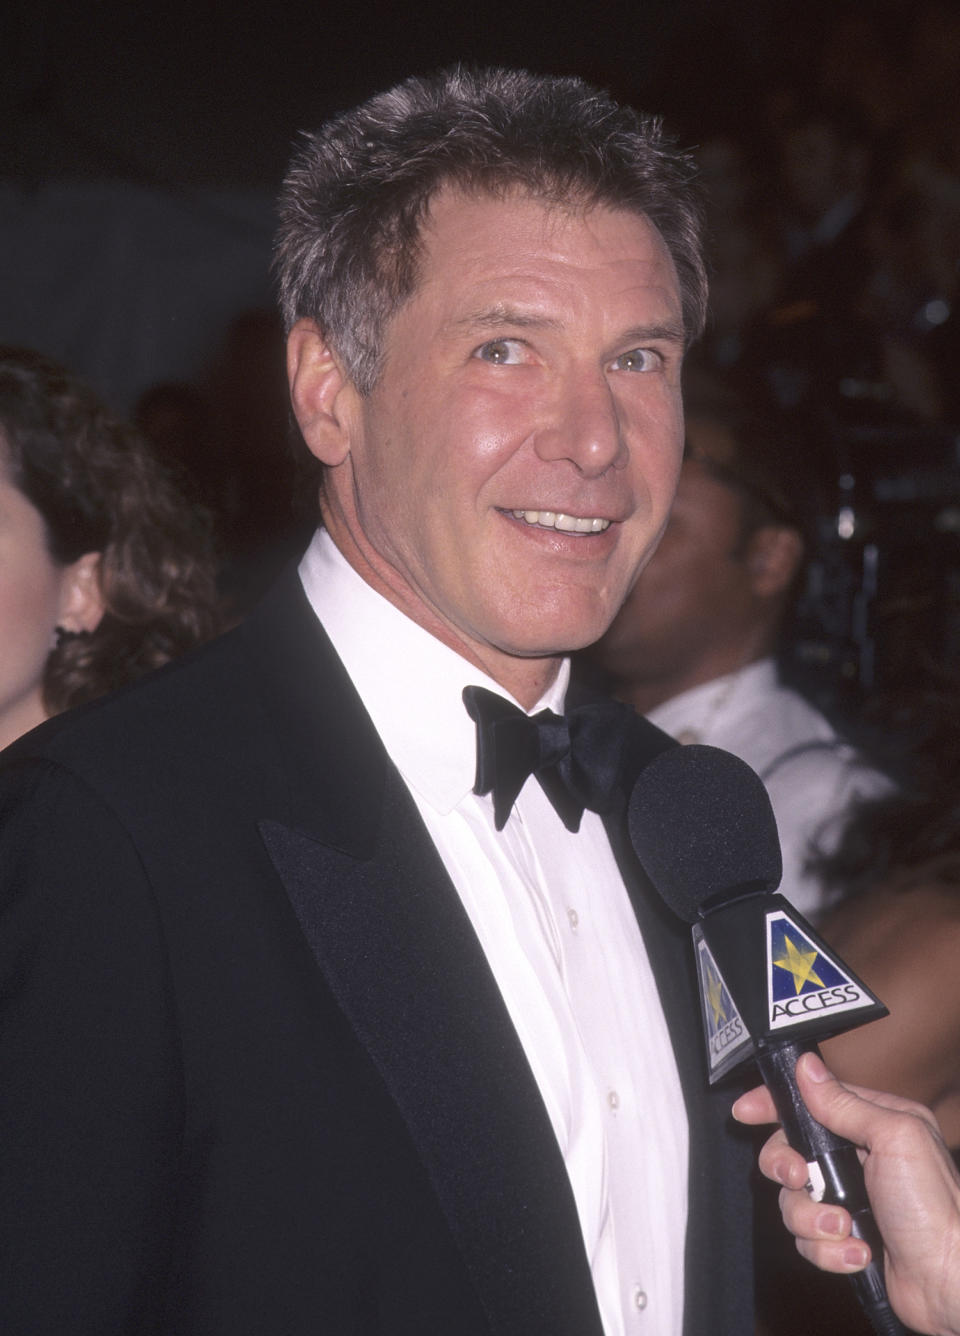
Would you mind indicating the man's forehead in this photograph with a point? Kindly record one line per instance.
(519, 240)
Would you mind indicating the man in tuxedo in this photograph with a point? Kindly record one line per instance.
(310, 1021)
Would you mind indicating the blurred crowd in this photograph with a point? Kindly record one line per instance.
(835, 225)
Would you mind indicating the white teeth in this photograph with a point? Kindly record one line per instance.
(552, 519)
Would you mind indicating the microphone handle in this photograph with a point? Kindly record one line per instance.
(836, 1174)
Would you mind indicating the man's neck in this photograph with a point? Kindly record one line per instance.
(526, 678)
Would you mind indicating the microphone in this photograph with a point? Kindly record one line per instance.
(703, 829)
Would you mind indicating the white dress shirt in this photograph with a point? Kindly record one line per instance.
(812, 777)
(554, 920)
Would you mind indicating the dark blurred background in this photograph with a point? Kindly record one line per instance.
(141, 148)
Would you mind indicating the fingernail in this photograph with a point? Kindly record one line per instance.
(814, 1067)
(831, 1223)
(855, 1256)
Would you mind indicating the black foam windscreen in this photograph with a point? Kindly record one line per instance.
(702, 826)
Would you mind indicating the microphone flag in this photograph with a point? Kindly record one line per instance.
(803, 991)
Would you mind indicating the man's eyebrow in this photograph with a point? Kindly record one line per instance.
(496, 317)
(665, 333)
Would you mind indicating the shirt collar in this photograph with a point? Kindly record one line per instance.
(699, 709)
(410, 683)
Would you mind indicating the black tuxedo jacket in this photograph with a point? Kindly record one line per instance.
(255, 1074)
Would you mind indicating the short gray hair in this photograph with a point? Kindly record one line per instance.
(358, 190)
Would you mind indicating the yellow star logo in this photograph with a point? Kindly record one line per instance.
(800, 964)
(715, 997)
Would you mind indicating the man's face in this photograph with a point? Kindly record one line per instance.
(694, 598)
(514, 465)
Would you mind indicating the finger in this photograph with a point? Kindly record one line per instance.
(813, 1074)
(843, 1257)
(756, 1106)
(852, 1111)
(813, 1221)
(781, 1164)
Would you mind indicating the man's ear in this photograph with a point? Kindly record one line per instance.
(81, 594)
(774, 556)
(319, 391)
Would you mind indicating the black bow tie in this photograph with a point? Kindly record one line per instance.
(588, 757)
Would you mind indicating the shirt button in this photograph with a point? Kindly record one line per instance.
(613, 1099)
(574, 918)
(639, 1299)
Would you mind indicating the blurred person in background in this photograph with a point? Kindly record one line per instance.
(105, 573)
(746, 263)
(911, 297)
(823, 153)
(695, 645)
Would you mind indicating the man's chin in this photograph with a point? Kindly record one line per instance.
(563, 642)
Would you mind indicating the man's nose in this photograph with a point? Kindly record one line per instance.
(585, 426)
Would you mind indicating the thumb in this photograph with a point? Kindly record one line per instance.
(831, 1102)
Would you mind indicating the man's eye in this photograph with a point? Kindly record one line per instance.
(501, 352)
(638, 359)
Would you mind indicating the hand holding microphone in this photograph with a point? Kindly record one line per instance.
(911, 1180)
(701, 825)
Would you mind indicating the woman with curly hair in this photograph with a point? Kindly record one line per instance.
(105, 573)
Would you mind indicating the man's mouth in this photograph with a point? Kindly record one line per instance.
(555, 519)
